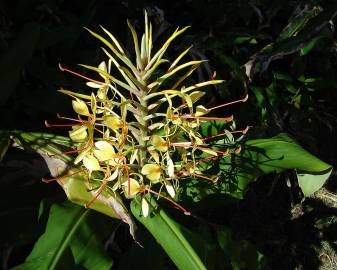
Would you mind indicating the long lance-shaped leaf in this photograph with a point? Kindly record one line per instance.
(176, 61)
(172, 72)
(114, 40)
(171, 236)
(113, 79)
(135, 41)
(122, 57)
(50, 137)
(162, 50)
(199, 85)
(42, 145)
(118, 66)
(68, 241)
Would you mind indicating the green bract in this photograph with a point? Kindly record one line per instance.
(134, 134)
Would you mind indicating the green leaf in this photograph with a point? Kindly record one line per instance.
(275, 155)
(74, 182)
(170, 235)
(71, 241)
(310, 183)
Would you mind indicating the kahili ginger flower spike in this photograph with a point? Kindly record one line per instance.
(138, 135)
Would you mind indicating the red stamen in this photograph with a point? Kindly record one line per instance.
(171, 201)
(243, 131)
(229, 103)
(228, 119)
(197, 175)
(79, 75)
(60, 125)
(60, 177)
(76, 150)
(98, 192)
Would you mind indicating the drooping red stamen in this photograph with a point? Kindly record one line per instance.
(60, 177)
(229, 103)
(169, 200)
(98, 192)
(76, 150)
(197, 175)
(243, 131)
(79, 75)
(60, 125)
(228, 119)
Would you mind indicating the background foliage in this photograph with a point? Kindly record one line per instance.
(282, 53)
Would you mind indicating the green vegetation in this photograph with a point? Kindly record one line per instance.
(218, 155)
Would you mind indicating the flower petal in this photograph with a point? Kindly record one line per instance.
(170, 166)
(159, 143)
(145, 207)
(78, 134)
(134, 188)
(169, 188)
(152, 172)
(91, 163)
(112, 121)
(80, 107)
(105, 151)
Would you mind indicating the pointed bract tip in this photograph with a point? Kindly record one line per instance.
(46, 123)
(245, 98)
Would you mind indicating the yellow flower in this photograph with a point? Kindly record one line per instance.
(152, 172)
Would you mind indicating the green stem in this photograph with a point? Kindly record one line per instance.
(143, 131)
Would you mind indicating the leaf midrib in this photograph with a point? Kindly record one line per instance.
(74, 226)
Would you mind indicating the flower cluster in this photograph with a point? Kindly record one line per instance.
(138, 130)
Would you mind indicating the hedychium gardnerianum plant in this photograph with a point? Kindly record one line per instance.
(135, 136)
